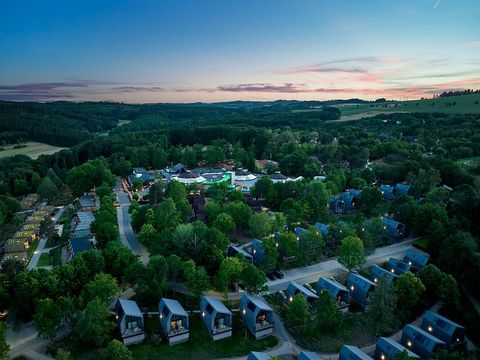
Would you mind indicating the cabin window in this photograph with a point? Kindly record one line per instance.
(209, 309)
(251, 306)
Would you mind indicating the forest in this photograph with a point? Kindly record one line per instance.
(432, 152)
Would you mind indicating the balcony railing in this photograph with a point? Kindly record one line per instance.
(132, 332)
(263, 325)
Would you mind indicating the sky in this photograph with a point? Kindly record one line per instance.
(221, 50)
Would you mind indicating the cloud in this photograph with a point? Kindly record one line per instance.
(132, 89)
(41, 91)
(319, 69)
(473, 45)
(262, 87)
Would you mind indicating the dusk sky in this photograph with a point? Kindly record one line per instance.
(187, 51)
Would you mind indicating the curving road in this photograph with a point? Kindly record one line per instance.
(127, 236)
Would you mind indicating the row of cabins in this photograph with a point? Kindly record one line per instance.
(361, 287)
(81, 235)
(349, 199)
(16, 247)
(303, 355)
(358, 287)
(435, 333)
(256, 315)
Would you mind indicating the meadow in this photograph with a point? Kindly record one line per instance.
(461, 104)
(31, 149)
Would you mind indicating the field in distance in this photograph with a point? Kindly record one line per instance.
(31, 149)
(461, 104)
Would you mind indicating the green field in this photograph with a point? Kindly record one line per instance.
(44, 260)
(461, 104)
(31, 149)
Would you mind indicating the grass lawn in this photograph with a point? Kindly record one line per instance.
(200, 345)
(45, 260)
(56, 256)
(421, 244)
(31, 249)
(31, 149)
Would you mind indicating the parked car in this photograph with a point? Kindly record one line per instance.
(271, 276)
(278, 274)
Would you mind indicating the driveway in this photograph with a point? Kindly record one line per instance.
(332, 267)
(127, 236)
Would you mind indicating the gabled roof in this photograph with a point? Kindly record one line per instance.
(353, 352)
(86, 201)
(331, 285)
(80, 244)
(417, 257)
(130, 307)
(302, 289)
(299, 231)
(377, 272)
(442, 323)
(278, 176)
(188, 175)
(391, 347)
(309, 355)
(324, 228)
(401, 189)
(360, 281)
(258, 302)
(390, 222)
(174, 307)
(217, 305)
(420, 336)
(255, 355)
(398, 265)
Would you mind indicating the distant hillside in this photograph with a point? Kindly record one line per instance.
(459, 104)
(284, 105)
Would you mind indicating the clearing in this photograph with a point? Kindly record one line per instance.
(460, 104)
(31, 149)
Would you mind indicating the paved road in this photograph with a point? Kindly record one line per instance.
(127, 236)
(332, 267)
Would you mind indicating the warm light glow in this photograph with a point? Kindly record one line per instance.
(161, 316)
(243, 311)
(352, 287)
(430, 329)
(382, 357)
(254, 251)
(291, 299)
(203, 313)
(375, 280)
(393, 270)
(276, 244)
(410, 263)
(409, 343)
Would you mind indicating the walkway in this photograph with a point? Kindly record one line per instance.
(41, 245)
